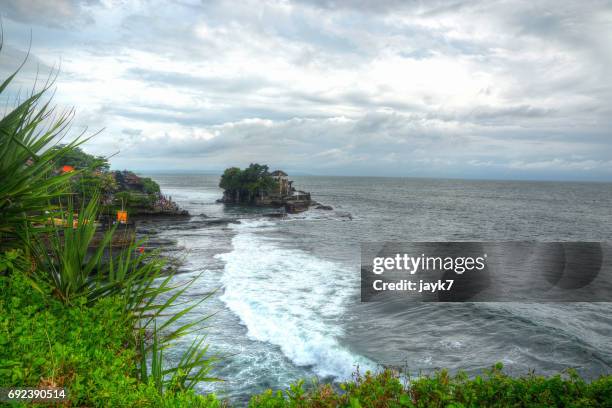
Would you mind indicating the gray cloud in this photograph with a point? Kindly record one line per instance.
(211, 84)
(52, 13)
(475, 89)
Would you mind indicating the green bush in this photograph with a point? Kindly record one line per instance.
(80, 160)
(492, 389)
(133, 201)
(149, 186)
(89, 350)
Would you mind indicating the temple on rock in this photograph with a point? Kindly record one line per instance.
(256, 186)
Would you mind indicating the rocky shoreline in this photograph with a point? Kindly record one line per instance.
(291, 206)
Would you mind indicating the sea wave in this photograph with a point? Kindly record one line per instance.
(290, 298)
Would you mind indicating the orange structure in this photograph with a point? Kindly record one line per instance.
(67, 169)
(122, 217)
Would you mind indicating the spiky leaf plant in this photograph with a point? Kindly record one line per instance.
(194, 367)
(27, 179)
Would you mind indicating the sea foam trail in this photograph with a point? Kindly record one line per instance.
(289, 298)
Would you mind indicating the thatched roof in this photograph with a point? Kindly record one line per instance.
(277, 173)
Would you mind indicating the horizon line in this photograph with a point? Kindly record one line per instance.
(303, 174)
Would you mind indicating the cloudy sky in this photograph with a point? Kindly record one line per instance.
(491, 89)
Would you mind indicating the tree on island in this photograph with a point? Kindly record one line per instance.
(245, 185)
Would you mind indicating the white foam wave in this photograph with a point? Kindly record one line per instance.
(290, 298)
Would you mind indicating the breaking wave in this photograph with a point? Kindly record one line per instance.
(291, 299)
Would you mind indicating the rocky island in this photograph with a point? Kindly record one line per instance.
(257, 186)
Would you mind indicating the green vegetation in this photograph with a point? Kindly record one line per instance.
(117, 189)
(92, 173)
(242, 186)
(91, 350)
(72, 313)
(78, 159)
(77, 314)
(492, 389)
(26, 164)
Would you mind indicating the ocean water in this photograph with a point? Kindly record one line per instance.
(286, 304)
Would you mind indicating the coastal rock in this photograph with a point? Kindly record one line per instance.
(217, 221)
(275, 215)
(145, 212)
(324, 207)
(296, 206)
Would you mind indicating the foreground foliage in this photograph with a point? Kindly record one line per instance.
(74, 312)
(26, 163)
(492, 389)
(89, 349)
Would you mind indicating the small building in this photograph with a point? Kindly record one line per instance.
(284, 185)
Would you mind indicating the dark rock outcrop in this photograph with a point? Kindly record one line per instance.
(275, 215)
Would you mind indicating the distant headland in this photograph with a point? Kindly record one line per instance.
(118, 190)
(257, 186)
